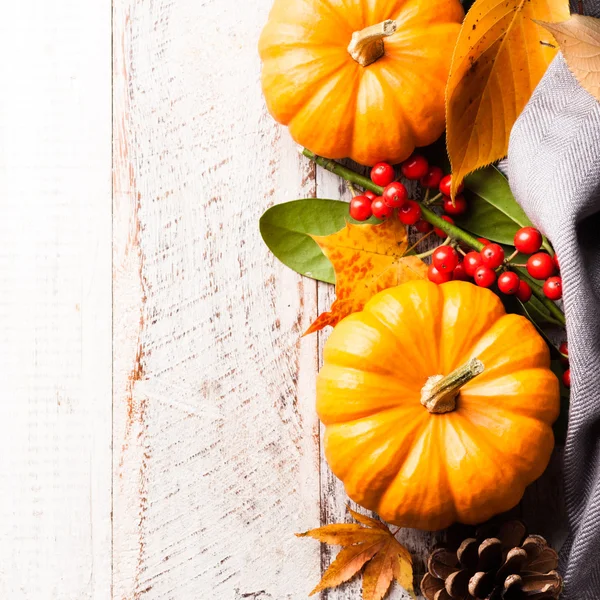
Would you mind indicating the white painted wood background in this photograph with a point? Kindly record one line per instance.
(158, 437)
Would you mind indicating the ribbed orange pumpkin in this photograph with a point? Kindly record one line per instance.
(420, 450)
(363, 79)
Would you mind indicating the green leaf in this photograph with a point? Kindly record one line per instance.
(493, 211)
(286, 229)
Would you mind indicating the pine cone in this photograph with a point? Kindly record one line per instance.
(494, 562)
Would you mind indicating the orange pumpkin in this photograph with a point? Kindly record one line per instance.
(363, 79)
(438, 405)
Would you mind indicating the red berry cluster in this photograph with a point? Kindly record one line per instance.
(485, 267)
(489, 265)
(540, 265)
(395, 195)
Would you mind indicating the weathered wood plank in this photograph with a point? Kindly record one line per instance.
(333, 496)
(55, 300)
(216, 438)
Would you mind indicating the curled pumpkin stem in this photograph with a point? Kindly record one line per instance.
(440, 392)
(367, 45)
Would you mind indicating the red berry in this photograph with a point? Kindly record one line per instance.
(524, 292)
(556, 263)
(380, 209)
(370, 195)
(382, 174)
(567, 377)
(484, 241)
(492, 256)
(433, 178)
(540, 266)
(508, 283)
(423, 226)
(395, 195)
(484, 277)
(564, 349)
(472, 261)
(410, 212)
(528, 240)
(458, 208)
(459, 273)
(446, 184)
(441, 233)
(415, 167)
(438, 276)
(360, 208)
(445, 258)
(553, 288)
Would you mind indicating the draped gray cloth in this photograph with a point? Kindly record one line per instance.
(554, 171)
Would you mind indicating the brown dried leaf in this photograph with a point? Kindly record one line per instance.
(379, 572)
(367, 259)
(348, 563)
(403, 569)
(372, 542)
(368, 521)
(579, 41)
(500, 56)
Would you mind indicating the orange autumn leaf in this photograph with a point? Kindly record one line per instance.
(499, 59)
(371, 544)
(367, 259)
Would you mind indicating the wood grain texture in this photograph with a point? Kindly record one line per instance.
(55, 300)
(216, 456)
(333, 496)
(216, 439)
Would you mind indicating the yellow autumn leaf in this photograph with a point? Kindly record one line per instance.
(367, 259)
(579, 41)
(343, 534)
(371, 544)
(500, 56)
(348, 563)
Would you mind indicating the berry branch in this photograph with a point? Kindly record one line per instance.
(442, 224)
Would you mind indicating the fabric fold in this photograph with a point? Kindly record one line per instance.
(554, 171)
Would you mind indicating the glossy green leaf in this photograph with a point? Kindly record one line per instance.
(491, 185)
(493, 211)
(286, 229)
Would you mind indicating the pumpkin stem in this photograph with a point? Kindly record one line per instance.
(367, 45)
(439, 393)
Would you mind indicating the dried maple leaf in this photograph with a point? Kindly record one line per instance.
(500, 56)
(372, 543)
(579, 41)
(366, 260)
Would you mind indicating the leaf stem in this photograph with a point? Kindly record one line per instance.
(430, 252)
(419, 241)
(428, 215)
(430, 201)
(343, 172)
(449, 229)
(539, 294)
(512, 256)
(352, 190)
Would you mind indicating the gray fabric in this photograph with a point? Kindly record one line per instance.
(554, 171)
